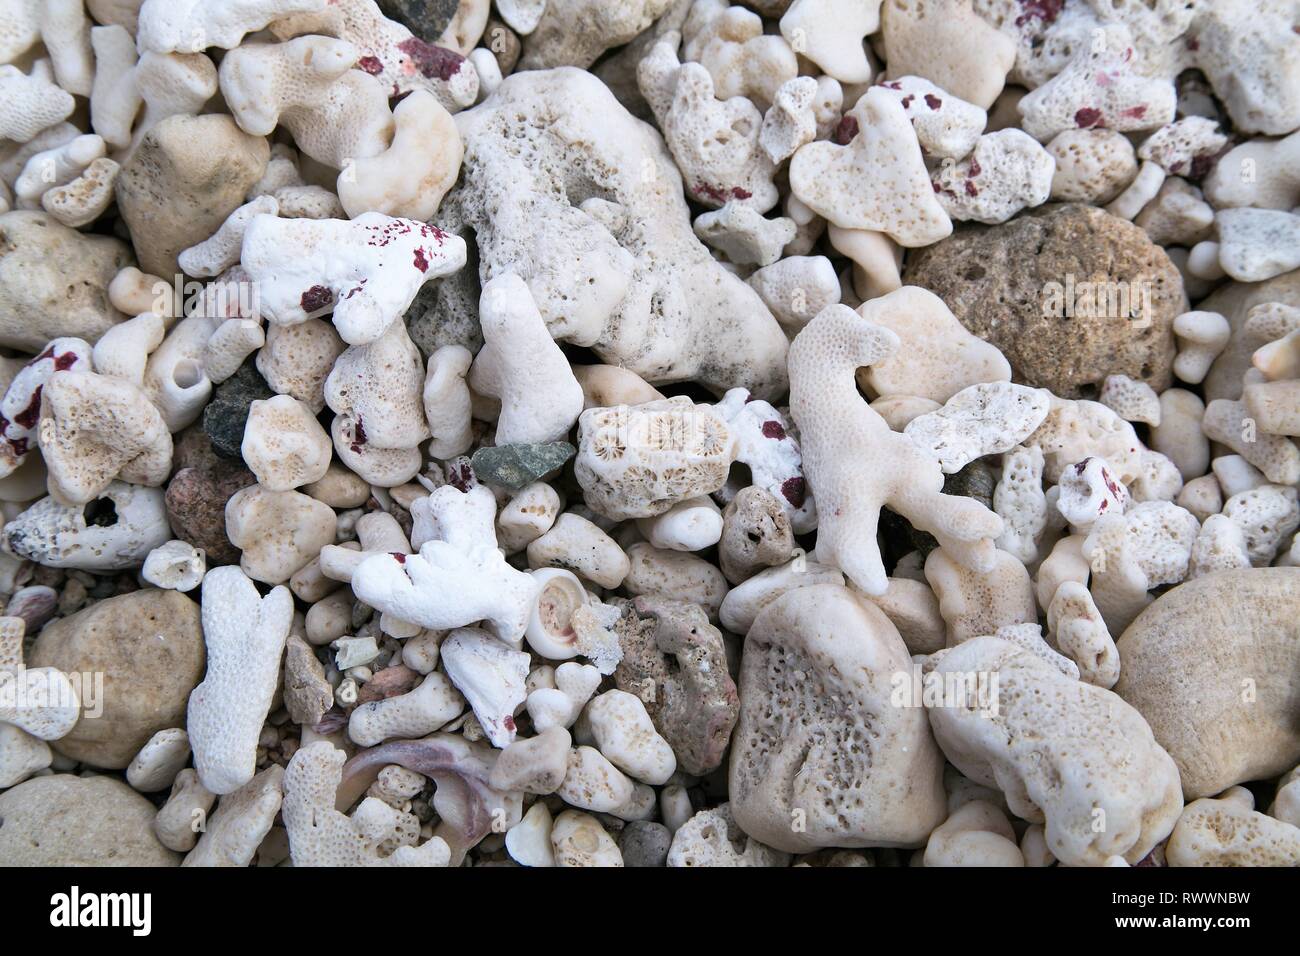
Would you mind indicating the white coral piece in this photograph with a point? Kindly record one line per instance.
(245, 636)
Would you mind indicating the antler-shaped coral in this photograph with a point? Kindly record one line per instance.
(444, 587)
(320, 835)
(856, 464)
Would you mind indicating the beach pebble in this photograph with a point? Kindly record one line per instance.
(1092, 165)
(948, 44)
(225, 418)
(817, 661)
(1242, 617)
(56, 279)
(675, 663)
(149, 647)
(936, 357)
(63, 820)
(756, 534)
(644, 843)
(307, 694)
(578, 839)
(534, 764)
(159, 761)
(1068, 262)
(188, 174)
(196, 501)
(626, 736)
(514, 466)
(979, 420)
(975, 834)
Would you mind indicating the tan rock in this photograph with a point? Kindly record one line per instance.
(62, 820)
(54, 281)
(1211, 665)
(1048, 288)
(149, 647)
(188, 174)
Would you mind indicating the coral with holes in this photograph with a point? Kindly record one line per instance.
(1229, 832)
(320, 835)
(95, 429)
(20, 408)
(115, 531)
(713, 838)
(675, 663)
(565, 188)
(1065, 753)
(637, 461)
(821, 741)
(877, 181)
(1068, 293)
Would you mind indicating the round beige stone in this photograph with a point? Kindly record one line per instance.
(1047, 288)
(1212, 666)
(149, 647)
(64, 820)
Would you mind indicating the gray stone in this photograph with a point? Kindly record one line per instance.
(197, 494)
(974, 480)
(445, 311)
(227, 412)
(513, 466)
(425, 18)
(644, 843)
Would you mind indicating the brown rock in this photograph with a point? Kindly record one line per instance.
(149, 647)
(504, 44)
(192, 448)
(54, 281)
(389, 682)
(1011, 285)
(188, 174)
(197, 494)
(63, 820)
(675, 662)
(756, 534)
(307, 694)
